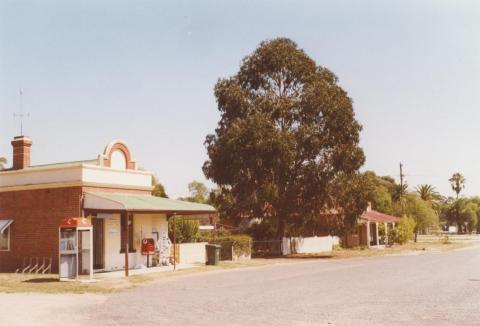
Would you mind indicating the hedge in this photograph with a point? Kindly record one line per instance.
(242, 243)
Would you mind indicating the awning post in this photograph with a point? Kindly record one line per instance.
(174, 242)
(127, 224)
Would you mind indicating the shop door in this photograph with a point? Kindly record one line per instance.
(98, 243)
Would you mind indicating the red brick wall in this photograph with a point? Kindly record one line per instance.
(36, 214)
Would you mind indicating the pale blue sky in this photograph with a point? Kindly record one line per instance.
(144, 71)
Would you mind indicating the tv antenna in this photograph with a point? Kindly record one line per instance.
(20, 114)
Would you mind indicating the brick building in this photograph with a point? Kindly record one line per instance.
(367, 231)
(110, 191)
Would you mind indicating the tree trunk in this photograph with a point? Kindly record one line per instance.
(281, 227)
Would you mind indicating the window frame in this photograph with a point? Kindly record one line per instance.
(7, 230)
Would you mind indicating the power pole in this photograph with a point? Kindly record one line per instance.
(401, 188)
(401, 180)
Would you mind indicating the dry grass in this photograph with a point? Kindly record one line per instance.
(50, 284)
(407, 248)
(10, 283)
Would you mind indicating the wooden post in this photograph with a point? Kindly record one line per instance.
(174, 242)
(386, 234)
(127, 224)
(368, 234)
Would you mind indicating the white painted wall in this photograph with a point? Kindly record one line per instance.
(34, 176)
(310, 245)
(75, 173)
(110, 176)
(191, 253)
(143, 226)
(118, 160)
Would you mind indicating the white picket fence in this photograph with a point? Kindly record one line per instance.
(309, 245)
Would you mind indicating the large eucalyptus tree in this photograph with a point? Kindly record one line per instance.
(287, 143)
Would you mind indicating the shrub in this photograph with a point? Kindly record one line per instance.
(242, 243)
(392, 236)
(185, 230)
(262, 231)
(405, 230)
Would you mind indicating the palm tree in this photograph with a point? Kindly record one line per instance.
(428, 193)
(457, 181)
(3, 161)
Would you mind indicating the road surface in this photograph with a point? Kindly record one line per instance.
(426, 289)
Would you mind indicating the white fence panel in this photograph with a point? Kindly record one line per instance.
(309, 245)
(191, 253)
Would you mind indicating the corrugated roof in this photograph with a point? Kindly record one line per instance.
(374, 216)
(134, 202)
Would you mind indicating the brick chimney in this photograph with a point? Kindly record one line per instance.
(21, 152)
(369, 207)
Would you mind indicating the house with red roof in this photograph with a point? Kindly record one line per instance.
(366, 232)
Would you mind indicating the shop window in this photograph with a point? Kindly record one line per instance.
(5, 240)
(130, 233)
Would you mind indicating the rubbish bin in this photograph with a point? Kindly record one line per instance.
(213, 253)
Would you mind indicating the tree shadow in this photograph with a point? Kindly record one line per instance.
(42, 280)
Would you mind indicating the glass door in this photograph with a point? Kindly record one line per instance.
(98, 243)
(68, 253)
(84, 252)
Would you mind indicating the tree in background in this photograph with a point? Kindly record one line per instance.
(421, 212)
(286, 140)
(185, 230)
(380, 191)
(3, 161)
(457, 181)
(463, 212)
(468, 215)
(199, 193)
(428, 193)
(158, 188)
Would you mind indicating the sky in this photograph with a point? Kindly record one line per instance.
(144, 72)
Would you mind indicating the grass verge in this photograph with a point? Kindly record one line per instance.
(11, 283)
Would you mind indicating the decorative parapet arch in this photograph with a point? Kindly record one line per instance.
(121, 146)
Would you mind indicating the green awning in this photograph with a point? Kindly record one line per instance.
(142, 203)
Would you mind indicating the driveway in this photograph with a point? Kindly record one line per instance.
(426, 289)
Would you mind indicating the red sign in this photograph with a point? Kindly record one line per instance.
(148, 246)
(74, 222)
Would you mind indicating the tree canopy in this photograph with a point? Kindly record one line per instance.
(457, 181)
(3, 161)
(158, 188)
(199, 193)
(287, 141)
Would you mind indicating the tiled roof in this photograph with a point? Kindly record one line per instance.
(374, 216)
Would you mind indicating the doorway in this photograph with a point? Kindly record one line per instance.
(98, 243)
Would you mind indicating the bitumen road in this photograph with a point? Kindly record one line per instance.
(425, 289)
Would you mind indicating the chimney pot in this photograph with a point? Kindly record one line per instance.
(21, 152)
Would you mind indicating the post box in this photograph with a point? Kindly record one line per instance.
(148, 246)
